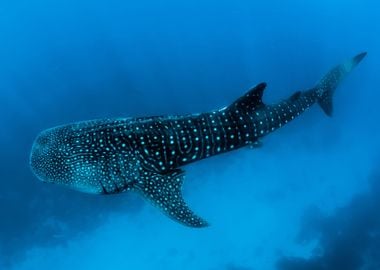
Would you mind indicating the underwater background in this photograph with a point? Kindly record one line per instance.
(308, 199)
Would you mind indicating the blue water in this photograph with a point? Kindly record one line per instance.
(307, 199)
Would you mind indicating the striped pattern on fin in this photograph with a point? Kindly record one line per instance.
(164, 191)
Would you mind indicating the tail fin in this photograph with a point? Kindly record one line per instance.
(326, 86)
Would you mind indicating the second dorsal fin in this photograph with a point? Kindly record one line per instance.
(251, 100)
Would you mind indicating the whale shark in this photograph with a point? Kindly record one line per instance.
(147, 154)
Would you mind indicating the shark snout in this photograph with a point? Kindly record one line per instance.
(38, 156)
(42, 155)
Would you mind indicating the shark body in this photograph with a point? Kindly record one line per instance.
(146, 154)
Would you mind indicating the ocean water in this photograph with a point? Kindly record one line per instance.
(307, 199)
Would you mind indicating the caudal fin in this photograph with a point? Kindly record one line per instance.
(326, 86)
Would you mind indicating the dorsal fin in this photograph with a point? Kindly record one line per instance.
(251, 100)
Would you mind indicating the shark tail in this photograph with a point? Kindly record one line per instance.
(326, 86)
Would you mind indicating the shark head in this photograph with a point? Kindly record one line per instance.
(47, 158)
(59, 156)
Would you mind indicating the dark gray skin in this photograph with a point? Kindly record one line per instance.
(146, 154)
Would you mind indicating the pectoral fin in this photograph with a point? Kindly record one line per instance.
(164, 191)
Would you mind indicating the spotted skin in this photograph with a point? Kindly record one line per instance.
(147, 154)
